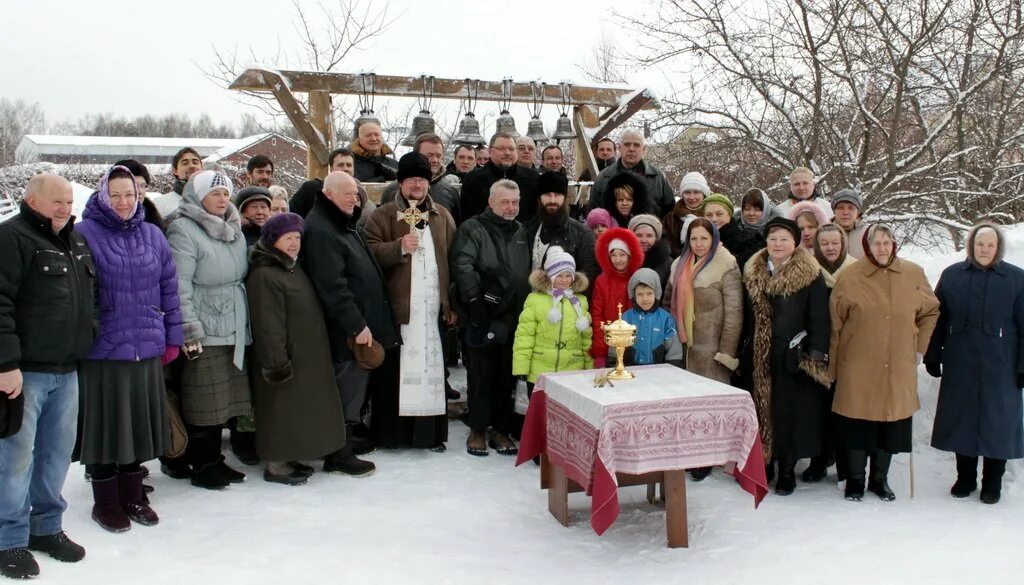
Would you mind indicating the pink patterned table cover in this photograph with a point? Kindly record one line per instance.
(665, 419)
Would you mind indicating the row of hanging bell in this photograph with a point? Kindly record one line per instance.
(535, 128)
(469, 129)
(422, 122)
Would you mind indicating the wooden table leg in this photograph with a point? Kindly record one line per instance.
(651, 496)
(558, 494)
(545, 472)
(675, 509)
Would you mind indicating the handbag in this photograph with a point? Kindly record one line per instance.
(11, 412)
(522, 397)
(179, 435)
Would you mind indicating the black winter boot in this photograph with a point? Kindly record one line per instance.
(878, 483)
(817, 470)
(18, 563)
(57, 546)
(208, 476)
(344, 460)
(243, 445)
(966, 476)
(176, 468)
(229, 473)
(992, 480)
(700, 473)
(786, 483)
(359, 438)
(207, 462)
(856, 461)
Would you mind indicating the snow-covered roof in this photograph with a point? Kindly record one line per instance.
(147, 149)
(56, 140)
(243, 143)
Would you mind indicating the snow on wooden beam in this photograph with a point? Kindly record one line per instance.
(612, 119)
(412, 87)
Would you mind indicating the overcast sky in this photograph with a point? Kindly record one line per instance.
(76, 57)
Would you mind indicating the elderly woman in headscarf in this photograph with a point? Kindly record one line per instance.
(298, 408)
(831, 250)
(789, 306)
(883, 313)
(706, 300)
(210, 254)
(124, 416)
(976, 350)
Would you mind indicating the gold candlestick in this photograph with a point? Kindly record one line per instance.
(620, 335)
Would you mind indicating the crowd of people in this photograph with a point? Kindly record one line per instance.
(321, 326)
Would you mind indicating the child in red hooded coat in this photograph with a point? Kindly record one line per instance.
(619, 253)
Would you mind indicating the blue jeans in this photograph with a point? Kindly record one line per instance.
(34, 462)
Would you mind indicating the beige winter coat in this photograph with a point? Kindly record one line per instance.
(881, 318)
(717, 317)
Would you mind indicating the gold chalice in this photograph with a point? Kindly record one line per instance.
(620, 335)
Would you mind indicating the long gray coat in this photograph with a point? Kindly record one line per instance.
(298, 408)
(210, 255)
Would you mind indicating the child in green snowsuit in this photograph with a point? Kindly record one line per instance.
(554, 332)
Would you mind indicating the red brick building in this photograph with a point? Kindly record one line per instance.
(289, 158)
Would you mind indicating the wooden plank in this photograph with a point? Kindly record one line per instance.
(618, 116)
(319, 118)
(584, 117)
(412, 87)
(675, 509)
(296, 114)
(558, 495)
(545, 472)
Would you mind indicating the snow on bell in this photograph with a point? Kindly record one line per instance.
(469, 131)
(563, 129)
(506, 123)
(535, 130)
(421, 123)
(365, 117)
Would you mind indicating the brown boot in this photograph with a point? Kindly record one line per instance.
(106, 509)
(503, 444)
(134, 501)
(476, 444)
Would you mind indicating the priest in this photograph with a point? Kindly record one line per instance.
(410, 237)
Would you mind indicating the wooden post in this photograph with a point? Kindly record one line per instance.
(675, 509)
(584, 117)
(558, 495)
(320, 119)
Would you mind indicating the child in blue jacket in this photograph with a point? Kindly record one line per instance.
(655, 327)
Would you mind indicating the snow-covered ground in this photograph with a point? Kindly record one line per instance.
(452, 518)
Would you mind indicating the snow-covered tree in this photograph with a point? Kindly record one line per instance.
(917, 103)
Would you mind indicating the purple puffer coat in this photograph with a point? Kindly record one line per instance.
(137, 284)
